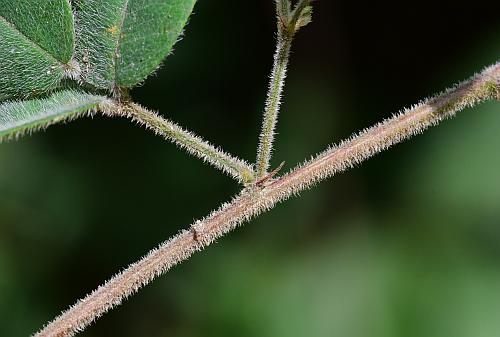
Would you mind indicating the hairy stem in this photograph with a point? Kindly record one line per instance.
(236, 168)
(253, 201)
(288, 25)
(273, 102)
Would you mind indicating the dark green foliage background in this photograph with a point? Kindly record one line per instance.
(405, 245)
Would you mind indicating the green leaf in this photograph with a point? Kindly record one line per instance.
(121, 42)
(36, 45)
(20, 117)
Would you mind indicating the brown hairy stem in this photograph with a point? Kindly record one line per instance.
(254, 200)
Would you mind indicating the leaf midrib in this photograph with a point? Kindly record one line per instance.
(117, 48)
(33, 43)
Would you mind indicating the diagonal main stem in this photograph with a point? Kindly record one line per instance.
(253, 201)
(234, 167)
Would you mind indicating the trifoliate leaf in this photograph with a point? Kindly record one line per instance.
(20, 117)
(121, 42)
(36, 46)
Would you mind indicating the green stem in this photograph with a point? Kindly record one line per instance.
(287, 27)
(234, 167)
(273, 102)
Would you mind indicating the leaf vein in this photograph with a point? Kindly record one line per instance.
(115, 87)
(33, 43)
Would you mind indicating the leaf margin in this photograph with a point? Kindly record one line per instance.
(21, 117)
(101, 31)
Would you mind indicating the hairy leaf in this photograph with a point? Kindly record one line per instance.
(121, 42)
(20, 117)
(36, 45)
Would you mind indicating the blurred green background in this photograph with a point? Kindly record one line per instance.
(408, 244)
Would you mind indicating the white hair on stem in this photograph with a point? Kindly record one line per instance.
(253, 200)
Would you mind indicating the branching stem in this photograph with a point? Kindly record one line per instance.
(255, 200)
(272, 105)
(236, 168)
(287, 27)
